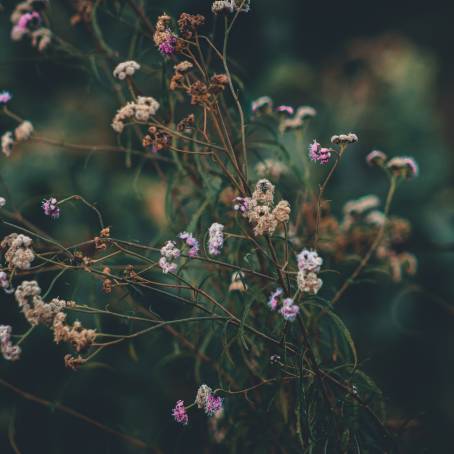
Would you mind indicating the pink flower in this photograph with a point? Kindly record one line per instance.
(289, 110)
(50, 207)
(376, 157)
(179, 413)
(216, 240)
(289, 310)
(319, 154)
(28, 20)
(5, 97)
(241, 204)
(192, 242)
(213, 404)
(273, 302)
(167, 47)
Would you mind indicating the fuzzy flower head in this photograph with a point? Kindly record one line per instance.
(287, 110)
(51, 208)
(403, 166)
(344, 139)
(289, 310)
(192, 242)
(264, 104)
(241, 204)
(168, 45)
(376, 158)
(9, 351)
(29, 21)
(309, 261)
(169, 253)
(5, 97)
(179, 413)
(202, 395)
(319, 154)
(125, 69)
(273, 302)
(216, 238)
(213, 404)
(309, 282)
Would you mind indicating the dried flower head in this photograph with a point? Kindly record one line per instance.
(289, 310)
(202, 395)
(222, 7)
(7, 143)
(273, 302)
(19, 252)
(23, 131)
(344, 139)
(186, 124)
(183, 67)
(10, 352)
(79, 337)
(309, 261)
(156, 140)
(216, 238)
(264, 191)
(309, 282)
(188, 24)
(141, 110)
(403, 166)
(281, 211)
(376, 158)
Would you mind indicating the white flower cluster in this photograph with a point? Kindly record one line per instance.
(125, 69)
(216, 238)
(22, 133)
(169, 253)
(229, 6)
(9, 351)
(35, 309)
(140, 110)
(19, 253)
(309, 264)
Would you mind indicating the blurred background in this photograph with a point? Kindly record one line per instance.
(383, 70)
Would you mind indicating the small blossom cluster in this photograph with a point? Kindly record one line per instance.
(205, 399)
(164, 39)
(216, 238)
(21, 134)
(309, 264)
(9, 351)
(4, 283)
(140, 110)
(229, 6)
(19, 253)
(27, 21)
(401, 166)
(51, 208)
(289, 310)
(126, 69)
(156, 140)
(192, 242)
(5, 97)
(34, 308)
(317, 153)
(79, 337)
(344, 139)
(169, 254)
(259, 210)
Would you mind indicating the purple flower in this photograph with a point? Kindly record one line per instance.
(167, 47)
(213, 404)
(241, 204)
(273, 302)
(192, 242)
(319, 154)
(179, 413)
(289, 310)
(5, 97)
(289, 110)
(50, 207)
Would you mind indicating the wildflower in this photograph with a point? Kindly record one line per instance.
(179, 413)
(237, 282)
(29, 21)
(376, 158)
(344, 139)
(79, 337)
(74, 362)
(262, 104)
(156, 140)
(168, 45)
(169, 253)
(289, 310)
(189, 23)
(288, 110)
(273, 302)
(5, 97)
(2, 202)
(223, 6)
(23, 131)
(126, 69)
(51, 208)
(216, 238)
(141, 110)
(309, 261)
(7, 143)
(9, 351)
(264, 220)
(19, 252)
(213, 404)
(309, 282)
(271, 168)
(242, 204)
(183, 67)
(281, 212)
(304, 112)
(202, 395)
(264, 191)
(186, 124)
(192, 242)
(317, 153)
(403, 166)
